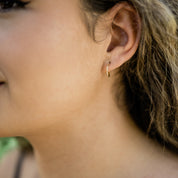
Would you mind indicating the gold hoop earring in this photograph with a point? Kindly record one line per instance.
(107, 69)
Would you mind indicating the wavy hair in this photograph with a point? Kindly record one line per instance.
(150, 77)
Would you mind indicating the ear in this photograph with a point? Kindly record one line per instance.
(125, 31)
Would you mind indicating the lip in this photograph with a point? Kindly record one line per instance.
(2, 78)
(2, 83)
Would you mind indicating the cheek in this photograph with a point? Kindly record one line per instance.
(52, 72)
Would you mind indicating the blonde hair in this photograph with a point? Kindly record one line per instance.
(150, 77)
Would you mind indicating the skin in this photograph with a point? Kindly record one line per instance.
(57, 94)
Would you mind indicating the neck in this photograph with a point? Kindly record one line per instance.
(99, 142)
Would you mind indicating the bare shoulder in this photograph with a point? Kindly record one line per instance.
(9, 163)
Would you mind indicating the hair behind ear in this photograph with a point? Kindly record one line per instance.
(151, 76)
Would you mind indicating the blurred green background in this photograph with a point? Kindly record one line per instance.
(7, 144)
(10, 143)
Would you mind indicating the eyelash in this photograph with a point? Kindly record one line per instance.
(9, 5)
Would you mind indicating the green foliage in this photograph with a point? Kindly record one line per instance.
(24, 144)
(7, 144)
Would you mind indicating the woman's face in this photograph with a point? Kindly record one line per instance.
(51, 67)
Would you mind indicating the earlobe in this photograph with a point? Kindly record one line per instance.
(125, 34)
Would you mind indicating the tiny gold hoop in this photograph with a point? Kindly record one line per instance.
(107, 69)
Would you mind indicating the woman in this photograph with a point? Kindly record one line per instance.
(93, 86)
